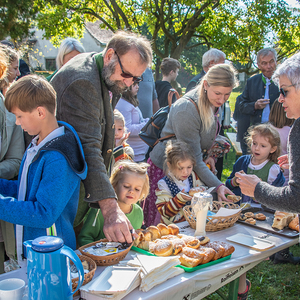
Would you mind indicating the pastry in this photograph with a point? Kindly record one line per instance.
(154, 231)
(229, 249)
(250, 221)
(170, 237)
(234, 198)
(198, 189)
(188, 261)
(260, 217)
(193, 253)
(173, 229)
(163, 248)
(209, 254)
(249, 214)
(164, 230)
(242, 217)
(178, 245)
(85, 265)
(294, 224)
(191, 241)
(220, 250)
(203, 239)
(195, 243)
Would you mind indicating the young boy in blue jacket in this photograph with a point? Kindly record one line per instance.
(44, 199)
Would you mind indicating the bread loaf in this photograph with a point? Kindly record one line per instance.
(282, 219)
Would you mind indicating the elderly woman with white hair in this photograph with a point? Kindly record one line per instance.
(69, 48)
(286, 198)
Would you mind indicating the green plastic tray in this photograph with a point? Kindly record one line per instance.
(186, 269)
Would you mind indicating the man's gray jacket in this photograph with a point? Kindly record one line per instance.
(83, 101)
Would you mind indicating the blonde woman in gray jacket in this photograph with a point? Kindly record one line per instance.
(196, 127)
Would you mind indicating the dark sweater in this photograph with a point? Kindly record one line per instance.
(285, 198)
(162, 90)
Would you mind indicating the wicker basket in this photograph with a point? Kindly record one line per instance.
(88, 276)
(107, 260)
(213, 223)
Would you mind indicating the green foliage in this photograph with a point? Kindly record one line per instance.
(176, 27)
(16, 18)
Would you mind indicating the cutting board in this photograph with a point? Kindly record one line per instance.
(251, 241)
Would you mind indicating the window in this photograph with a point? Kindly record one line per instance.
(50, 64)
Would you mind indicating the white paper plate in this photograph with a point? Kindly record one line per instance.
(251, 241)
(114, 280)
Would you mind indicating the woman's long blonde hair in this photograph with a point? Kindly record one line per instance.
(219, 75)
(3, 64)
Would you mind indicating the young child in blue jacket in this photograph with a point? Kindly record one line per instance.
(44, 199)
(264, 142)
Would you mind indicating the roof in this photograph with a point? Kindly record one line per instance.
(103, 36)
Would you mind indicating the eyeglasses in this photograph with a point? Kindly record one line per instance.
(126, 75)
(283, 92)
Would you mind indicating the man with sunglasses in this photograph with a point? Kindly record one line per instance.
(88, 88)
(260, 92)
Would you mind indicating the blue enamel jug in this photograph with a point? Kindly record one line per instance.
(48, 269)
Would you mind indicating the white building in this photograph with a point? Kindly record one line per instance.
(43, 53)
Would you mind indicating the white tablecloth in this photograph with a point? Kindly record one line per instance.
(199, 284)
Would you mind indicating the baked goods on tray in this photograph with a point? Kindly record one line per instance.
(191, 250)
(250, 221)
(294, 224)
(282, 219)
(260, 216)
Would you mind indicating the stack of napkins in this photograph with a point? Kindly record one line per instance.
(155, 269)
(113, 283)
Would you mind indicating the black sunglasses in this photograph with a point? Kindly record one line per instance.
(283, 92)
(126, 75)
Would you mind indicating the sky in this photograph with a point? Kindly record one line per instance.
(293, 3)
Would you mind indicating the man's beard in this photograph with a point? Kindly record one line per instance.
(115, 86)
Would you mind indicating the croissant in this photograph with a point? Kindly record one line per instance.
(294, 224)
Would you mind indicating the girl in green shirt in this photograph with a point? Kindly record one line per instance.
(131, 184)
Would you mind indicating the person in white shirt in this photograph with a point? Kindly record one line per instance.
(134, 121)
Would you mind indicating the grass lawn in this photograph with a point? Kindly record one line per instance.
(269, 281)
(232, 99)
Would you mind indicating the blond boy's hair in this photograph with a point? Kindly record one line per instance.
(123, 167)
(119, 117)
(30, 92)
